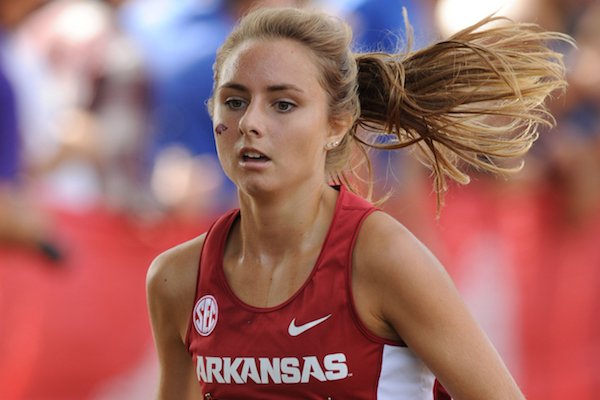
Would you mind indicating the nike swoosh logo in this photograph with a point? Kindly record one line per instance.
(294, 330)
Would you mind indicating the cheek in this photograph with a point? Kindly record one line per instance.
(221, 128)
(225, 146)
(306, 141)
(318, 129)
(225, 137)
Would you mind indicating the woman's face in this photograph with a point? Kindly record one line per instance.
(271, 116)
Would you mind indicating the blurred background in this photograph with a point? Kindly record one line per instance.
(107, 159)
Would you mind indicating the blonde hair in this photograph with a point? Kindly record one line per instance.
(474, 99)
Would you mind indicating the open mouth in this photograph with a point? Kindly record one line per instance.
(254, 156)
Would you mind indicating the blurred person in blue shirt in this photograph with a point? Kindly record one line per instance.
(20, 223)
(378, 25)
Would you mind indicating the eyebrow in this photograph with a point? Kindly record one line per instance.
(271, 88)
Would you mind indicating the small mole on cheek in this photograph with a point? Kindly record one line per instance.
(220, 129)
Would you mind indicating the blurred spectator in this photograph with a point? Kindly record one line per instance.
(576, 150)
(20, 222)
(379, 24)
(83, 84)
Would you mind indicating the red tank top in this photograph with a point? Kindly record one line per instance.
(312, 346)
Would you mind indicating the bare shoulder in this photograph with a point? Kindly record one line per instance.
(384, 242)
(171, 280)
(392, 270)
(170, 286)
(174, 267)
(402, 291)
(176, 260)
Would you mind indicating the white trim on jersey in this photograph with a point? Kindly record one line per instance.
(403, 376)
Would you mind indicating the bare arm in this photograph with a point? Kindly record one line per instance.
(401, 290)
(170, 286)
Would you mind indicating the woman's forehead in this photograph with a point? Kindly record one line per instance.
(272, 61)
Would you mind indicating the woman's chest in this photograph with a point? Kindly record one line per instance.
(310, 348)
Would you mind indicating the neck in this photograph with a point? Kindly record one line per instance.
(275, 227)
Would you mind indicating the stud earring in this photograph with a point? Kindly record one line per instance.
(332, 145)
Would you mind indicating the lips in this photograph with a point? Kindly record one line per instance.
(252, 155)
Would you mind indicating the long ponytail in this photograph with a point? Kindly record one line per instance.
(476, 99)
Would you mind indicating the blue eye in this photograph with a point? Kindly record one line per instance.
(284, 106)
(235, 104)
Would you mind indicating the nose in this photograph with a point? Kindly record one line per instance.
(252, 122)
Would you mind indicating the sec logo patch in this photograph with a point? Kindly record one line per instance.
(206, 314)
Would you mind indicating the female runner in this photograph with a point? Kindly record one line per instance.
(308, 291)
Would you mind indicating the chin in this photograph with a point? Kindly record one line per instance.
(254, 188)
